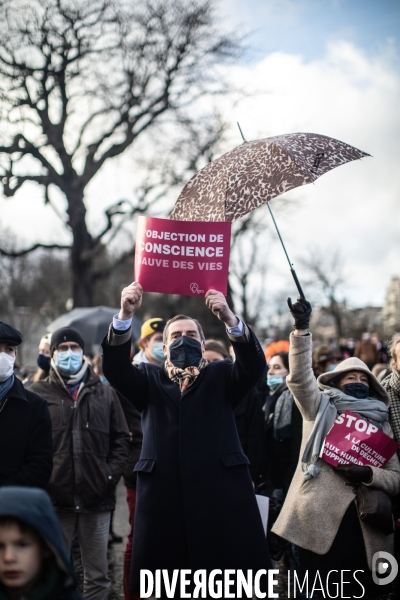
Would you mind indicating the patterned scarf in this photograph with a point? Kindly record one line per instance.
(184, 377)
(391, 383)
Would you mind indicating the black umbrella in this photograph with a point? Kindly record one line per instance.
(92, 323)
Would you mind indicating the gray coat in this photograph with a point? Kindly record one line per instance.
(314, 509)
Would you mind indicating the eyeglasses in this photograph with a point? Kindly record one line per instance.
(69, 346)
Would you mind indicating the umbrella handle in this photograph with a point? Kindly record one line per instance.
(297, 282)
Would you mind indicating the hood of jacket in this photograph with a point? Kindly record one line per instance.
(33, 507)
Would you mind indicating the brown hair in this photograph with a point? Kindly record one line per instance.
(216, 346)
(284, 356)
(23, 527)
(182, 318)
(97, 363)
(39, 375)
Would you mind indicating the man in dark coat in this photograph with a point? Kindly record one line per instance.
(26, 446)
(91, 442)
(196, 507)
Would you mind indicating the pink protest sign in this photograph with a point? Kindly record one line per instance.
(355, 440)
(182, 257)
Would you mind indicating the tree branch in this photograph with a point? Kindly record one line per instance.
(16, 253)
(105, 272)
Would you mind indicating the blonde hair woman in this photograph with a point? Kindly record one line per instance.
(43, 359)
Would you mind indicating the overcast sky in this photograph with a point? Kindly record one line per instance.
(328, 67)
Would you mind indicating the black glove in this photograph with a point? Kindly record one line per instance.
(355, 473)
(301, 311)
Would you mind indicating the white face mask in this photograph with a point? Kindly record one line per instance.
(6, 366)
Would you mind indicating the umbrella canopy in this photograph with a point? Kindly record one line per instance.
(255, 172)
(92, 323)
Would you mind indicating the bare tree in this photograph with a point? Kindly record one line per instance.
(82, 82)
(248, 266)
(328, 279)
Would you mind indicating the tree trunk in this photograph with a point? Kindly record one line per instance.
(81, 259)
(336, 312)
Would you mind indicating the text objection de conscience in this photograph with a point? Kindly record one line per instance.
(204, 251)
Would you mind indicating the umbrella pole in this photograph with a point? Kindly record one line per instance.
(293, 272)
(241, 132)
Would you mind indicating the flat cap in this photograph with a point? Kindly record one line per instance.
(10, 335)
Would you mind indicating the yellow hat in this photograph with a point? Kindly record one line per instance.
(151, 326)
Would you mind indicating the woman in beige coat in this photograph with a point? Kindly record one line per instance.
(320, 515)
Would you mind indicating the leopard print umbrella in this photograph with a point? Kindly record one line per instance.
(255, 172)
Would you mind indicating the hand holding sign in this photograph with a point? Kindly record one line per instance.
(355, 441)
(131, 300)
(182, 257)
(217, 303)
(355, 473)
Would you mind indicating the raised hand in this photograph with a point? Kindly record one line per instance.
(218, 305)
(301, 312)
(131, 300)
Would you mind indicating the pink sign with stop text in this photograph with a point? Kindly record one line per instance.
(356, 440)
(182, 257)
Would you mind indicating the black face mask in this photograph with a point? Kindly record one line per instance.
(357, 390)
(43, 362)
(185, 352)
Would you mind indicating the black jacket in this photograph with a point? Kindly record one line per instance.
(26, 447)
(249, 418)
(134, 421)
(91, 443)
(33, 507)
(196, 506)
(282, 456)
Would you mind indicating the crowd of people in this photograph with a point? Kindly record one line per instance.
(196, 428)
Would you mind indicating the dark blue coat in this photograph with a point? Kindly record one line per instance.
(196, 507)
(26, 443)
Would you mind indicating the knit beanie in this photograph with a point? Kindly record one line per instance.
(66, 334)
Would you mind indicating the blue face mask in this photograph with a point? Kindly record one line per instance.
(43, 362)
(357, 390)
(274, 380)
(69, 362)
(158, 353)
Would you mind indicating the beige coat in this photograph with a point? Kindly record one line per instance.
(313, 509)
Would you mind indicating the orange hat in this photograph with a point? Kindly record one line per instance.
(275, 347)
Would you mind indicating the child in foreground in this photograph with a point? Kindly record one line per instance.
(33, 561)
